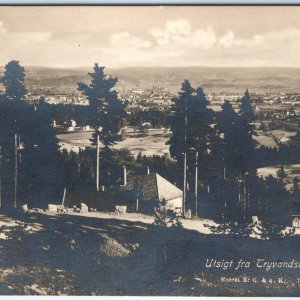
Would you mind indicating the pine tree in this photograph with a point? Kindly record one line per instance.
(29, 145)
(160, 214)
(234, 151)
(11, 113)
(225, 144)
(163, 216)
(274, 206)
(246, 108)
(281, 174)
(223, 149)
(296, 145)
(105, 111)
(296, 192)
(191, 128)
(14, 81)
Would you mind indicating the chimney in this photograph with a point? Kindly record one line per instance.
(124, 176)
(148, 170)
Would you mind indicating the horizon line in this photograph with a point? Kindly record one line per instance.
(156, 66)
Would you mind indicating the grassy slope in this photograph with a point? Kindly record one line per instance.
(93, 256)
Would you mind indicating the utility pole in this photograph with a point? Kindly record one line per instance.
(16, 171)
(196, 185)
(245, 191)
(184, 164)
(0, 177)
(137, 199)
(64, 197)
(245, 194)
(97, 167)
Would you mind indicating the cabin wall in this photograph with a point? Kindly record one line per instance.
(175, 204)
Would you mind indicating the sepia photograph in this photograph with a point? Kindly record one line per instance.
(150, 150)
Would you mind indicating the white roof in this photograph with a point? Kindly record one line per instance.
(166, 190)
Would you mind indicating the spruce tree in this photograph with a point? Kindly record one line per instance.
(223, 156)
(274, 211)
(233, 155)
(296, 193)
(105, 110)
(226, 126)
(14, 81)
(246, 108)
(281, 174)
(192, 132)
(30, 164)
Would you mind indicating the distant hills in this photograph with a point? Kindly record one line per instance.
(211, 79)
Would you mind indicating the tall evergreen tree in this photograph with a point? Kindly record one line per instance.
(246, 108)
(14, 81)
(281, 174)
(191, 128)
(296, 192)
(224, 187)
(296, 146)
(40, 175)
(105, 109)
(29, 171)
(226, 126)
(234, 151)
(274, 209)
(11, 114)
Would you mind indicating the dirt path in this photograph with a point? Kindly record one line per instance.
(199, 225)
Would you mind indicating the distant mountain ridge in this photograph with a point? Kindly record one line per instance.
(211, 79)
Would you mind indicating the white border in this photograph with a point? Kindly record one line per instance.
(146, 2)
(149, 2)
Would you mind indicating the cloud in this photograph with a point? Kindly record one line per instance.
(125, 39)
(227, 40)
(33, 37)
(175, 43)
(2, 28)
(24, 37)
(179, 32)
(174, 31)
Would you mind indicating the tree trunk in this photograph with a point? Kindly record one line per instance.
(196, 186)
(16, 171)
(97, 166)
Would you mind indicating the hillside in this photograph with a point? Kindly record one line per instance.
(231, 80)
(80, 255)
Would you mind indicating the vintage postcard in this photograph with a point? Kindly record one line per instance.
(150, 150)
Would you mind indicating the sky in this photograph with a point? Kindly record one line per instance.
(124, 36)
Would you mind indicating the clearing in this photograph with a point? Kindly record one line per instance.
(292, 171)
(151, 143)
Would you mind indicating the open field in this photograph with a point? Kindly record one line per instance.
(265, 140)
(274, 137)
(152, 143)
(74, 140)
(283, 136)
(292, 171)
